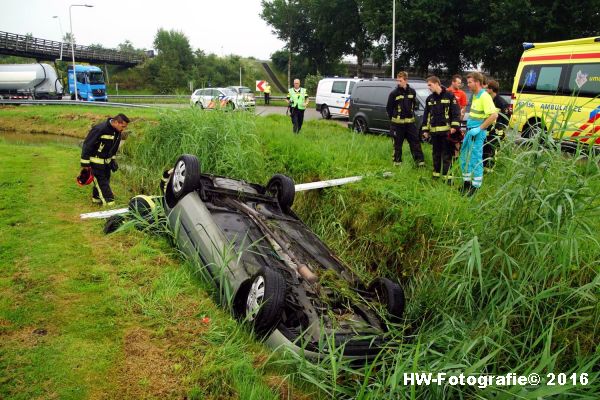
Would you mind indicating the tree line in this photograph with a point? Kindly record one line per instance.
(430, 34)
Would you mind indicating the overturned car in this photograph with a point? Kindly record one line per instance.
(271, 269)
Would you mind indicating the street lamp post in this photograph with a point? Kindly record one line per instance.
(61, 36)
(73, 44)
(393, 36)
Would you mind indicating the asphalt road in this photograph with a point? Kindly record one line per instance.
(309, 114)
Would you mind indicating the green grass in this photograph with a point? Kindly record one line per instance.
(505, 281)
(83, 315)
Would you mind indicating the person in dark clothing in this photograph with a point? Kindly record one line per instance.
(496, 134)
(401, 105)
(440, 120)
(98, 154)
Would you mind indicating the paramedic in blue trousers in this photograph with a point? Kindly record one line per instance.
(297, 101)
(482, 115)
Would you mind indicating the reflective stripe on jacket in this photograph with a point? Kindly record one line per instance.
(297, 99)
(441, 112)
(401, 105)
(100, 145)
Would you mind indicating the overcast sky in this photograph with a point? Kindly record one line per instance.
(216, 26)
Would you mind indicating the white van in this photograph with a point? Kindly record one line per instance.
(333, 96)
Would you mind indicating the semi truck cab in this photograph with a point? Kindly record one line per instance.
(90, 83)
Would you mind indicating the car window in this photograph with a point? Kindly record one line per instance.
(422, 95)
(339, 87)
(584, 80)
(541, 79)
(549, 79)
(245, 90)
(352, 83)
(229, 92)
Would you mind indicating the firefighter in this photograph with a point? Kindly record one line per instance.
(98, 154)
(297, 100)
(497, 131)
(401, 105)
(481, 116)
(440, 120)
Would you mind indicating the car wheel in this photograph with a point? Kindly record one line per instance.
(283, 188)
(390, 295)
(265, 300)
(360, 125)
(325, 112)
(144, 206)
(113, 223)
(229, 106)
(199, 105)
(186, 176)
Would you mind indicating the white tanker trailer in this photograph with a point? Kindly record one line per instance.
(37, 81)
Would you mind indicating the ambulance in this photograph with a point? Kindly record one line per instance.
(557, 90)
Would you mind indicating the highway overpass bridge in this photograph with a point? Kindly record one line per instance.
(13, 44)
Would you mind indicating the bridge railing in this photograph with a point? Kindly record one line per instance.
(27, 46)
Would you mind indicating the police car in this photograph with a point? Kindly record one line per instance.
(219, 98)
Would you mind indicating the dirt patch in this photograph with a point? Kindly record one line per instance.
(92, 118)
(146, 371)
(24, 338)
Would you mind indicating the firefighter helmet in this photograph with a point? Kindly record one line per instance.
(85, 177)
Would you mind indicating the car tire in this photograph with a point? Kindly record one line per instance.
(325, 112)
(186, 176)
(229, 106)
(360, 125)
(113, 223)
(283, 188)
(390, 295)
(144, 206)
(199, 105)
(265, 300)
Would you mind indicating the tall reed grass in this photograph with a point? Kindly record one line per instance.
(506, 281)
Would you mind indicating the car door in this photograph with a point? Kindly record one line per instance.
(381, 121)
(339, 98)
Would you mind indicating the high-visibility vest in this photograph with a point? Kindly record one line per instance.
(297, 99)
(267, 89)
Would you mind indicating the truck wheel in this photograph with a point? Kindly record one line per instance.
(265, 300)
(325, 112)
(186, 176)
(390, 295)
(72, 96)
(283, 188)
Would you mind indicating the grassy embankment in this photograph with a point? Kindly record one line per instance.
(505, 281)
(83, 315)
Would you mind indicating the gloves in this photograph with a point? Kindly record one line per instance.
(113, 165)
(474, 132)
